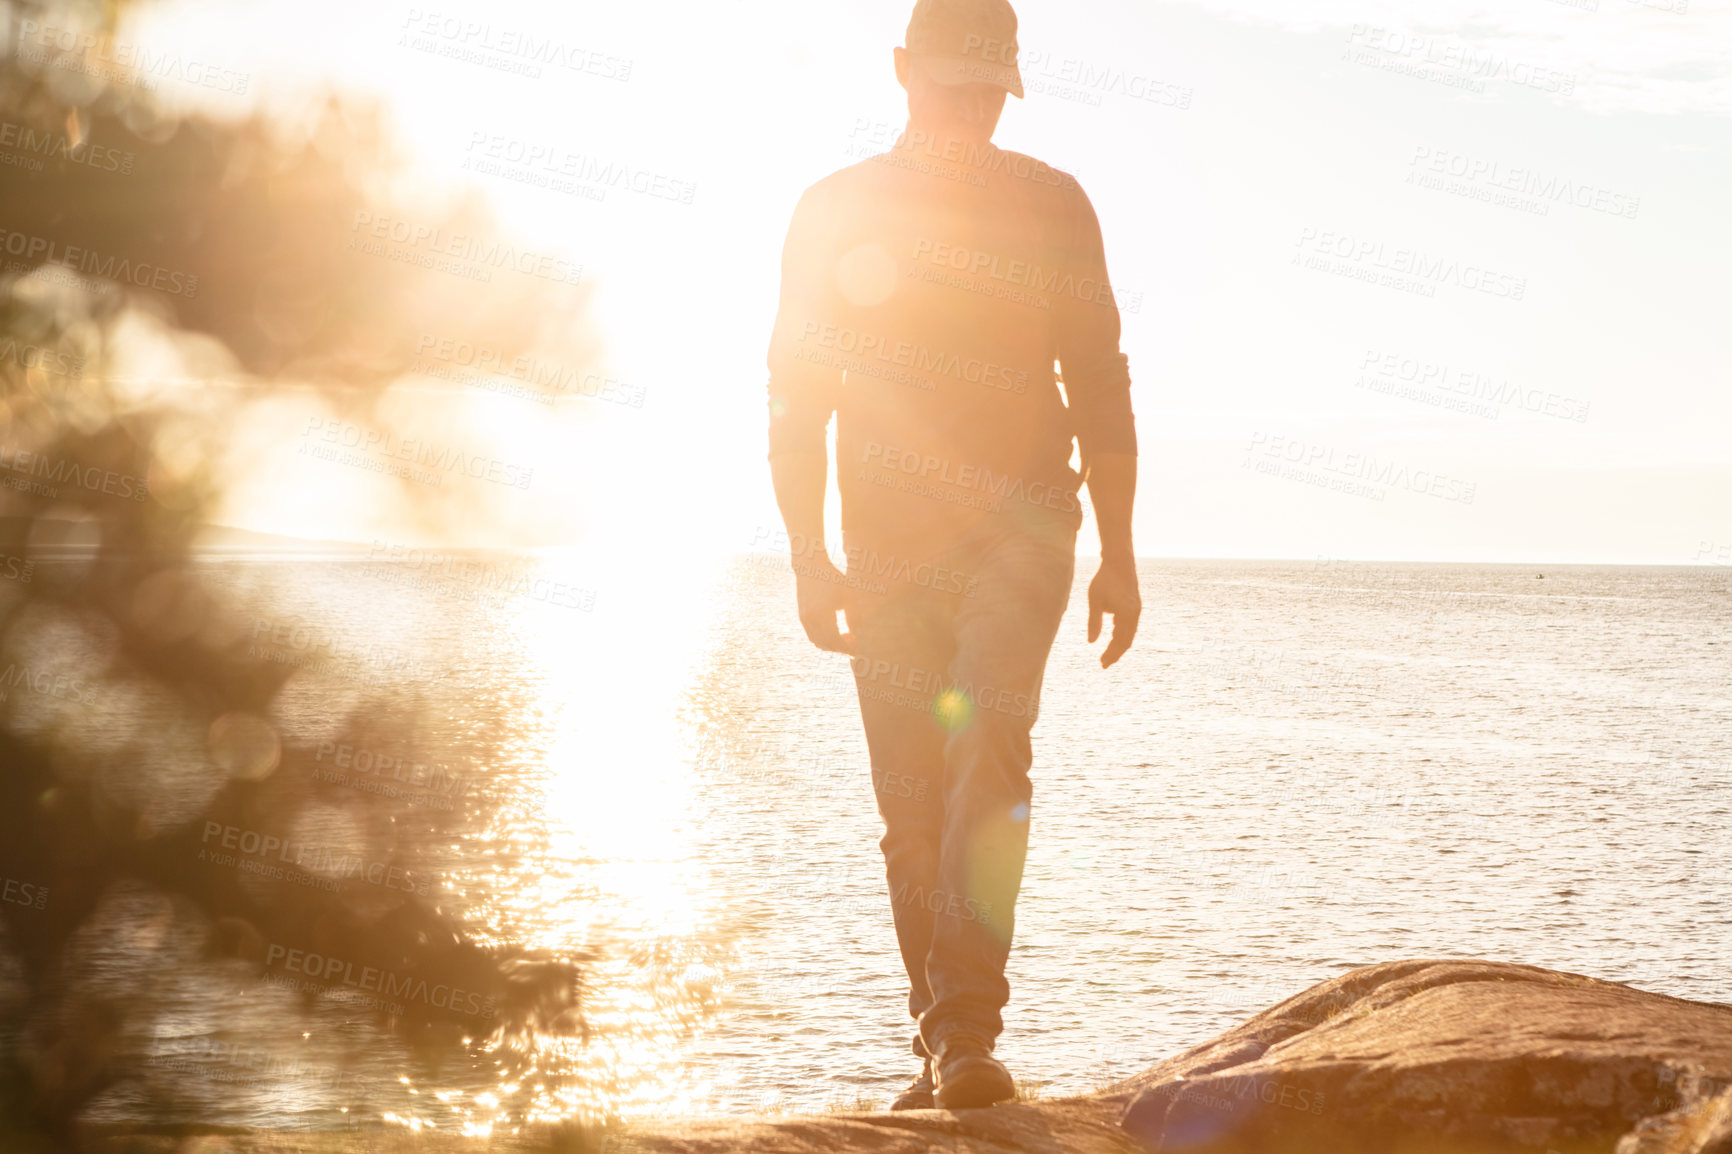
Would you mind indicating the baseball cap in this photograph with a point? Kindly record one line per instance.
(966, 42)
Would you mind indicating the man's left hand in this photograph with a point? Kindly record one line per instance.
(1114, 590)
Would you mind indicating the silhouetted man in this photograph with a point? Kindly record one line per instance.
(926, 294)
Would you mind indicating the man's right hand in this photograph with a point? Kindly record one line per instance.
(823, 592)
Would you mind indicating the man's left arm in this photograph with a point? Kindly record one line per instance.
(1097, 384)
(1112, 482)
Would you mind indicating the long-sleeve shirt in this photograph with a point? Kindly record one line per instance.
(926, 297)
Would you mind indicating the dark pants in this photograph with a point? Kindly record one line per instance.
(948, 666)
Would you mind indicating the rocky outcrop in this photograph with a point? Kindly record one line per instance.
(1450, 1056)
(1414, 1057)
(1080, 1126)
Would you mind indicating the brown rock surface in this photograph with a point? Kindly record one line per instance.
(1412, 1057)
(1451, 1056)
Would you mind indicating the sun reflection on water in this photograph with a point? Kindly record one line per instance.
(599, 858)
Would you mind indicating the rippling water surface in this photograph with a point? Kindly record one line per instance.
(1302, 767)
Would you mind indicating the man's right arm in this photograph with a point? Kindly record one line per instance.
(820, 588)
(803, 393)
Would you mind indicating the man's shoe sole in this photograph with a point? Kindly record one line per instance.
(909, 1101)
(978, 1084)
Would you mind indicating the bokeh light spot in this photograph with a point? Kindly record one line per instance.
(954, 709)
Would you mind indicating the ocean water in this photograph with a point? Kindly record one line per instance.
(1300, 768)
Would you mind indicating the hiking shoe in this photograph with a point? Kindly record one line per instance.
(966, 1075)
(918, 1096)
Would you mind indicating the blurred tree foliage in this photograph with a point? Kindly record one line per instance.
(161, 274)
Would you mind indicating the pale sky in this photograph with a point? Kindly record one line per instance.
(1592, 417)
